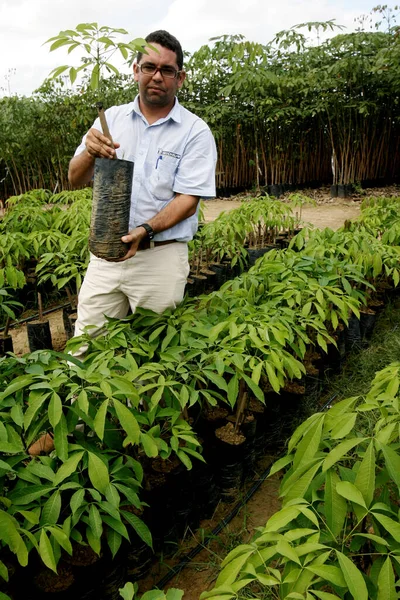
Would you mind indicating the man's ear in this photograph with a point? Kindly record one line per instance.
(136, 71)
(182, 77)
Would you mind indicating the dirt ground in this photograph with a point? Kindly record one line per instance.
(328, 212)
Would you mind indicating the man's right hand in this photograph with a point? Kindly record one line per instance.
(99, 146)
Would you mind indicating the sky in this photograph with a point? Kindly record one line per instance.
(25, 25)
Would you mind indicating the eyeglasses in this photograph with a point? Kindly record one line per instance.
(167, 72)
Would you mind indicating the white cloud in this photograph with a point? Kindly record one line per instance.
(26, 24)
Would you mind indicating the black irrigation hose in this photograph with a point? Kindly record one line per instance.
(224, 522)
(33, 317)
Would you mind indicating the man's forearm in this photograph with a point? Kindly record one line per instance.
(180, 208)
(81, 169)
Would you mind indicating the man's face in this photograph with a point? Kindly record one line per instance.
(156, 89)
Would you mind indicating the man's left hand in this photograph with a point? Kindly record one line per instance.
(133, 238)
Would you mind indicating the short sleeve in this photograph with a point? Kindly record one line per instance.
(196, 171)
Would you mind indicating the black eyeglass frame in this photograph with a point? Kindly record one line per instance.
(161, 70)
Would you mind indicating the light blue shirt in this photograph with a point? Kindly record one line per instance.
(174, 155)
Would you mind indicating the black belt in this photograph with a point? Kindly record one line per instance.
(146, 243)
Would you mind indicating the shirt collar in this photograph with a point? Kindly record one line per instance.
(174, 114)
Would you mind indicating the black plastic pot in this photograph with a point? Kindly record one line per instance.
(342, 192)
(39, 336)
(275, 190)
(112, 188)
(6, 344)
(255, 253)
(367, 325)
(353, 334)
(66, 312)
(220, 273)
(334, 191)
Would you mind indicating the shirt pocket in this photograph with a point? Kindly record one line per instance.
(162, 178)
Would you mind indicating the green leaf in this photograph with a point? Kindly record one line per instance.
(350, 492)
(174, 594)
(339, 451)
(139, 527)
(335, 504)
(68, 467)
(258, 393)
(10, 535)
(391, 526)
(3, 572)
(216, 380)
(51, 509)
(285, 549)
(17, 415)
(61, 538)
(365, 480)
(392, 461)
(299, 487)
(77, 500)
(22, 496)
(282, 518)
(94, 542)
(324, 595)
(328, 573)
(18, 384)
(233, 390)
(35, 403)
(46, 552)
(95, 522)
(83, 401)
(128, 423)
(114, 540)
(386, 582)
(352, 576)
(100, 419)
(344, 425)
(61, 438)
(55, 409)
(280, 464)
(128, 591)
(149, 445)
(309, 445)
(230, 572)
(98, 473)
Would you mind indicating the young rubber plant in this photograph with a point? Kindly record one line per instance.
(337, 535)
(98, 44)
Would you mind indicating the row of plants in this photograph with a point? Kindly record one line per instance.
(337, 534)
(287, 112)
(139, 393)
(45, 240)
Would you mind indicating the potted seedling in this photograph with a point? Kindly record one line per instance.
(6, 343)
(39, 335)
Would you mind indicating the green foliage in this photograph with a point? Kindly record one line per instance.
(98, 45)
(338, 531)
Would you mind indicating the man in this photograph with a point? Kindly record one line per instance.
(174, 155)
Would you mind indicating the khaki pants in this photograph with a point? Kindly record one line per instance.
(153, 279)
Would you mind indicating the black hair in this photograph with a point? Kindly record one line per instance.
(166, 40)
